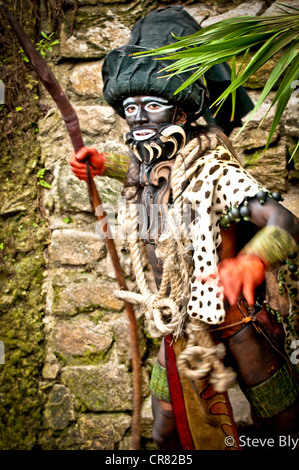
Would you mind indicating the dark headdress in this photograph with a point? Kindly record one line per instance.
(125, 75)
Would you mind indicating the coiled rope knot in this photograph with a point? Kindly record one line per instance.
(163, 311)
(201, 358)
(197, 362)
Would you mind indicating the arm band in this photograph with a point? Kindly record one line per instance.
(271, 244)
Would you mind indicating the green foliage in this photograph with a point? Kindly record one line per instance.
(44, 46)
(22, 262)
(265, 36)
(41, 181)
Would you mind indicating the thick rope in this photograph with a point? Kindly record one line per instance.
(167, 314)
(155, 307)
(202, 357)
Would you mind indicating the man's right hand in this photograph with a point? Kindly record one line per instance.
(96, 160)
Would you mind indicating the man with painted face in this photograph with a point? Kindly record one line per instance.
(146, 117)
(225, 303)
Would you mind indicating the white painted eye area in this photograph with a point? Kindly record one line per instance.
(151, 107)
(131, 110)
(154, 107)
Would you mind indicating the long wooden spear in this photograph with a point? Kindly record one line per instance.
(69, 115)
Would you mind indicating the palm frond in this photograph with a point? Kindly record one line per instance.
(264, 37)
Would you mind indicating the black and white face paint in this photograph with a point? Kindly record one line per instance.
(148, 118)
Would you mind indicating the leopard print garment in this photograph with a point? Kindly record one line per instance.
(219, 183)
(291, 322)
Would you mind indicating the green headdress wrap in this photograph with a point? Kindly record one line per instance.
(125, 75)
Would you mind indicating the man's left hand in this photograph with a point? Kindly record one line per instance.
(241, 274)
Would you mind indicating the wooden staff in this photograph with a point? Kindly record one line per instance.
(69, 115)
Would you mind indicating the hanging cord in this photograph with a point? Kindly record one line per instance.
(202, 358)
(167, 313)
(163, 312)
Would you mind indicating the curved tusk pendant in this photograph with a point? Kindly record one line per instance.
(150, 151)
(170, 131)
(175, 145)
(174, 129)
(158, 148)
(135, 151)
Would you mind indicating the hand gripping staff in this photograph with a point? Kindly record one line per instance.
(72, 124)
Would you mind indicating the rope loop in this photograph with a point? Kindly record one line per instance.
(166, 309)
(165, 312)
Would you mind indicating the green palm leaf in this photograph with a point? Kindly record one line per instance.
(276, 73)
(265, 37)
(283, 94)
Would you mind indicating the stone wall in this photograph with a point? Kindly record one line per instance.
(23, 234)
(86, 378)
